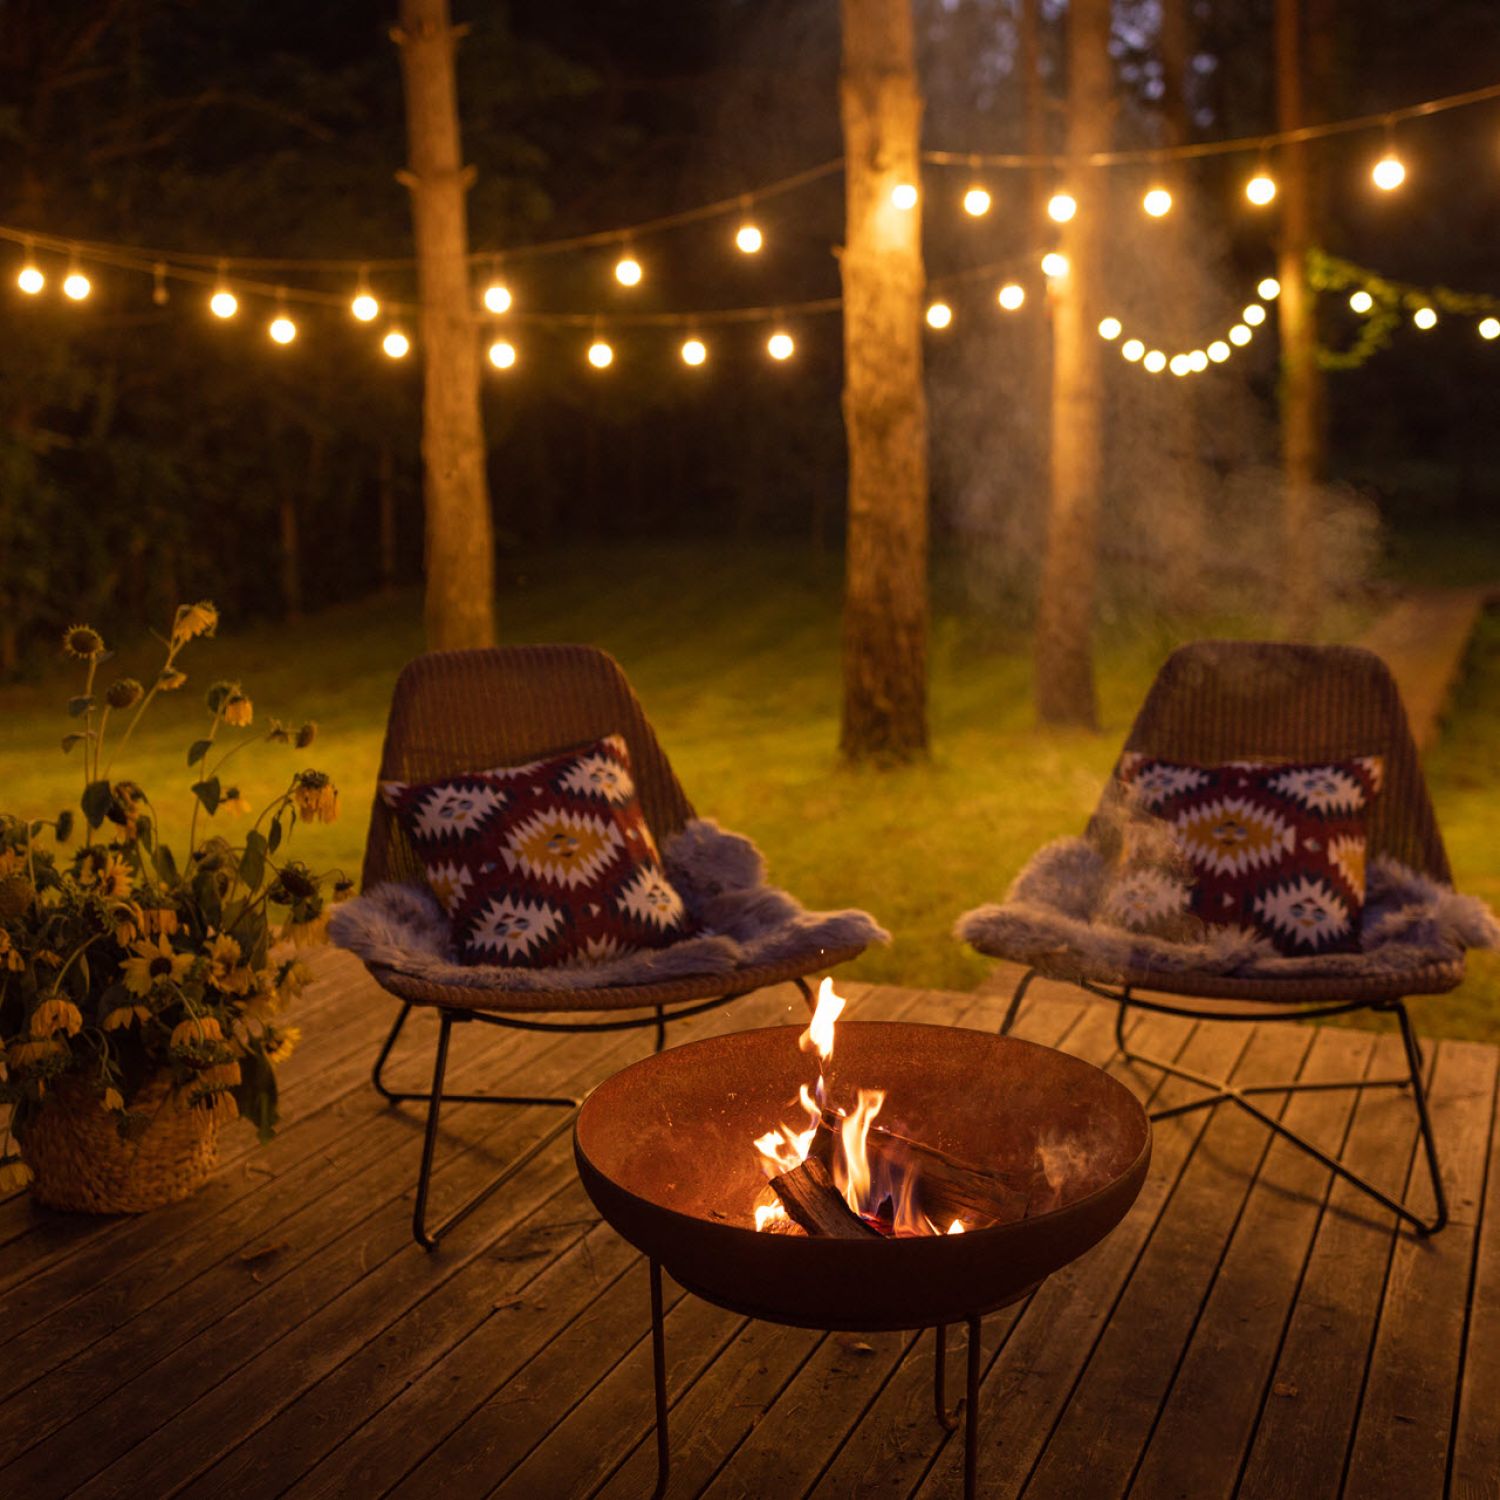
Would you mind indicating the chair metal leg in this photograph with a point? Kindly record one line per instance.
(659, 1371)
(1419, 1098)
(808, 998)
(1014, 1008)
(947, 1420)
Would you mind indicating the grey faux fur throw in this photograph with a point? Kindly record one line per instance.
(1047, 922)
(742, 922)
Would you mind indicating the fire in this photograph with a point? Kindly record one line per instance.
(819, 1032)
(854, 1135)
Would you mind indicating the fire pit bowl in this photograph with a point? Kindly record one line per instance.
(664, 1149)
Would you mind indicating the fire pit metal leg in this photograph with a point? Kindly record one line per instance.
(948, 1420)
(659, 1370)
(971, 1416)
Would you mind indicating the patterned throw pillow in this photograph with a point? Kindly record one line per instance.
(1278, 848)
(544, 865)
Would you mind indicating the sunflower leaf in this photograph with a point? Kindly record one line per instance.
(95, 802)
(208, 793)
(197, 750)
(79, 706)
(253, 860)
(69, 740)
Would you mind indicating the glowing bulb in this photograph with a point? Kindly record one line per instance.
(502, 354)
(396, 344)
(1132, 349)
(1218, 351)
(223, 304)
(1061, 207)
(1388, 173)
(694, 352)
(1361, 302)
(1055, 264)
(365, 307)
(497, 296)
(1110, 328)
(1260, 190)
(31, 280)
(1424, 317)
(1490, 328)
(1180, 364)
(601, 356)
(1157, 202)
(939, 315)
(76, 286)
(1198, 359)
(1155, 361)
(1254, 315)
(904, 195)
(1239, 334)
(1011, 296)
(627, 273)
(1268, 290)
(977, 201)
(780, 346)
(749, 239)
(282, 330)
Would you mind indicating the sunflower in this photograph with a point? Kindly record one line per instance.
(10, 956)
(126, 1015)
(169, 679)
(193, 620)
(55, 1015)
(315, 797)
(238, 711)
(82, 642)
(35, 1054)
(124, 692)
(285, 1045)
(114, 883)
(196, 1031)
(233, 803)
(113, 1100)
(152, 963)
(159, 921)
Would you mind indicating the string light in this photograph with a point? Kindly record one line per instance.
(1489, 328)
(1425, 317)
(1180, 364)
(502, 354)
(780, 346)
(1110, 328)
(904, 196)
(1155, 361)
(977, 202)
(76, 286)
(1132, 349)
(627, 273)
(282, 329)
(939, 315)
(1198, 359)
(601, 356)
(1361, 301)
(1254, 315)
(396, 344)
(30, 279)
(694, 352)
(1011, 296)
(1055, 265)
(1261, 189)
(497, 298)
(1061, 207)
(1157, 202)
(1218, 351)
(365, 308)
(748, 239)
(1268, 290)
(1239, 335)
(223, 303)
(1388, 173)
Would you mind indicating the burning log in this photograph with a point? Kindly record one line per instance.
(950, 1188)
(810, 1198)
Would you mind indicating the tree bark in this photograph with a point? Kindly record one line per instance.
(885, 409)
(1065, 614)
(1301, 379)
(460, 546)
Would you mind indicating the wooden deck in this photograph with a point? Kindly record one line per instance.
(1247, 1330)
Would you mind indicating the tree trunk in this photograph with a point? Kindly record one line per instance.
(386, 483)
(1301, 378)
(1065, 614)
(885, 410)
(460, 546)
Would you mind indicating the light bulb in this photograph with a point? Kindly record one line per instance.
(1268, 290)
(694, 352)
(396, 344)
(780, 346)
(223, 303)
(1424, 317)
(1155, 361)
(1011, 296)
(1361, 301)
(1490, 328)
(1254, 315)
(1180, 364)
(1132, 349)
(939, 315)
(502, 354)
(76, 286)
(1239, 335)
(365, 308)
(1110, 328)
(749, 239)
(1055, 264)
(282, 330)
(1218, 351)
(1157, 202)
(1061, 207)
(904, 195)
(30, 280)
(627, 272)
(1198, 359)
(601, 356)
(497, 297)
(1388, 173)
(1260, 189)
(977, 201)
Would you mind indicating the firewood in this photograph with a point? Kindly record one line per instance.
(810, 1198)
(948, 1187)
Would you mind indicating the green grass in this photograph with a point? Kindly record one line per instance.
(735, 656)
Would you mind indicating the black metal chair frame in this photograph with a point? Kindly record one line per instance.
(1219, 1090)
(429, 1237)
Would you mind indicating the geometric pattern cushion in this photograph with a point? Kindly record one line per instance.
(544, 865)
(1275, 847)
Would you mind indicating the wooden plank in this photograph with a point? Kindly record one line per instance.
(1475, 1471)
(1228, 1362)
(1406, 1418)
(1307, 1413)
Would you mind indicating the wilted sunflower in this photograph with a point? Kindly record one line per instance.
(194, 620)
(196, 1031)
(55, 1015)
(124, 692)
(126, 1015)
(36, 1055)
(306, 735)
(113, 1100)
(315, 797)
(82, 642)
(169, 679)
(233, 803)
(127, 802)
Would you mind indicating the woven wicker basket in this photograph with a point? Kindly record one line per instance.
(81, 1162)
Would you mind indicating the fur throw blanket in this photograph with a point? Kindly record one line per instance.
(742, 923)
(1047, 921)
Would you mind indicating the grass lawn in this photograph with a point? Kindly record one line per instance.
(735, 655)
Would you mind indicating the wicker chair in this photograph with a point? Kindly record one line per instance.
(1216, 701)
(459, 711)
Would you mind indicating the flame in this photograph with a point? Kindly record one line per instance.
(768, 1215)
(956, 1227)
(854, 1134)
(819, 1033)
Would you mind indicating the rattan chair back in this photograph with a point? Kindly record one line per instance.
(456, 711)
(1216, 701)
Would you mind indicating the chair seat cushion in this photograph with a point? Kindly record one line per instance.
(1049, 920)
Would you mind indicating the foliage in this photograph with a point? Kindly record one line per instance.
(117, 961)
